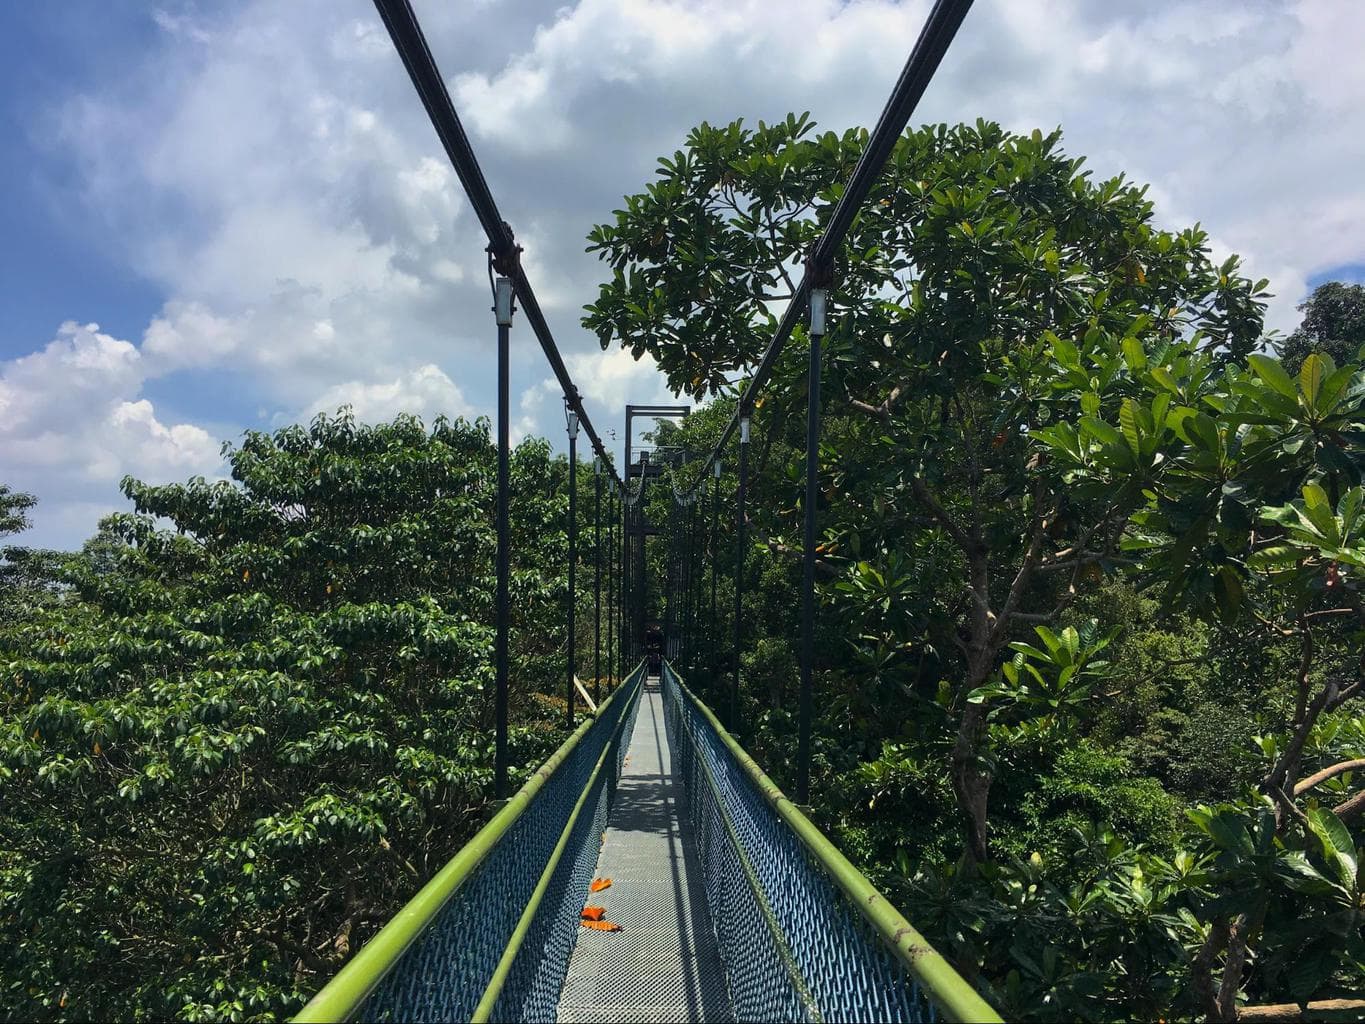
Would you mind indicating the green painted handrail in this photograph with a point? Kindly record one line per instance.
(342, 996)
(483, 1012)
(949, 991)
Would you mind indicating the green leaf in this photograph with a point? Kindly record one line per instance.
(1333, 387)
(1349, 510)
(1050, 638)
(1273, 557)
(1337, 845)
(1270, 371)
(1134, 354)
(1072, 640)
(1101, 431)
(1319, 511)
(1301, 876)
(1129, 423)
(1197, 429)
(1227, 592)
(1163, 377)
(1065, 352)
(1311, 968)
(1316, 369)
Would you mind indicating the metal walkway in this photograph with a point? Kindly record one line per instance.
(732, 905)
(664, 963)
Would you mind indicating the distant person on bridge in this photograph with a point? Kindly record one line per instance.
(654, 648)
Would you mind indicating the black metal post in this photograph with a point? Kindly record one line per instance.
(573, 561)
(817, 330)
(690, 633)
(739, 561)
(627, 585)
(670, 581)
(680, 555)
(502, 309)
(597, 579)
(627, 589)
(715, 565)
(611, 574)
(641, 587)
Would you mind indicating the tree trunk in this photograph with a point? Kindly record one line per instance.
(971, 780)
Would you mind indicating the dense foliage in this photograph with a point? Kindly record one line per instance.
(1089, 644)
(1333, 324)
(260, 716)
(1089, 652)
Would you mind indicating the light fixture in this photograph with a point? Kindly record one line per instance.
(817, 311)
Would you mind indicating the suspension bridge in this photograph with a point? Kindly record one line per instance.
(650, 870)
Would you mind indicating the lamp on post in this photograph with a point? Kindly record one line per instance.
(713, 668)
(818, 303)
(739, 558)
(571, 422)
(597, 577)
(503, 295)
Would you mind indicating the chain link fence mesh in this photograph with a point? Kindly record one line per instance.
(794, 946)
(444, 973)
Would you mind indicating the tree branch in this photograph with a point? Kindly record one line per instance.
(1041, 522)
(1343, 695)
(1340, 768)
(950, 526)
(1232, 969)
(824, 568)
(781, 267)
(1318, 1009)
(308, 957)
(1348, 809)
(884, 410)
(1201, 969)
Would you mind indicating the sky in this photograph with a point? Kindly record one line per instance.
(224, 217)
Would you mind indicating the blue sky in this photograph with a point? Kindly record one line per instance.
(49, 269)
(1353, 273)
(226, 217)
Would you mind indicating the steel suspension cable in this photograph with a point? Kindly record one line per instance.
(412, 47)
(934, 39)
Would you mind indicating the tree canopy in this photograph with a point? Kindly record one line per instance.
(1333, 325)
(1033, 396)
(1088, 652)
(264, 723)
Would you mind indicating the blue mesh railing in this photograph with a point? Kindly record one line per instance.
(803, 935)
(490, 936)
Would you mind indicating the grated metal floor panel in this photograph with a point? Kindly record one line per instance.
(664, 963)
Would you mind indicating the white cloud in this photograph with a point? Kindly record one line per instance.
(615, 377)
(425, 392)
(142, 441)
(270, 169)
(72, 424)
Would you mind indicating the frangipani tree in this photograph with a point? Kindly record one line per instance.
(989, 290)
